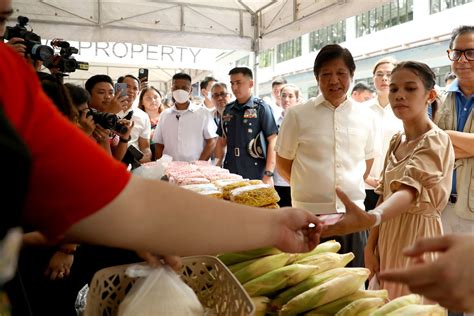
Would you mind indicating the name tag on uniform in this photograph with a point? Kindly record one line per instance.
(250, 113)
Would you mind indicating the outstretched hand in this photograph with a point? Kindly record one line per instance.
(449, 279)
(299, 230)
(354, 220)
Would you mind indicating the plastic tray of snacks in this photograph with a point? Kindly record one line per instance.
(216, 287)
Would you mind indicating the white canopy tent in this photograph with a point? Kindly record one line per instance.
(252, 25)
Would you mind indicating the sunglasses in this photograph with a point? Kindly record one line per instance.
(219, 95)
(455, 54)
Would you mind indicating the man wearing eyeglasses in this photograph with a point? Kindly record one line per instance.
(456, 117)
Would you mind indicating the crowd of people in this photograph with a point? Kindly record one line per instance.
(395, 162)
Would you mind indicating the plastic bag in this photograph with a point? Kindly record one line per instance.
(154, 169)
(160, 291)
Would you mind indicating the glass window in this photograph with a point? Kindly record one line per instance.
(391, 14)
(266, 58)
(313, 92)
(440, 5)
(244, 61)
(332, 34)
(289, 50)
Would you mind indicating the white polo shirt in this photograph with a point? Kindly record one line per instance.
(277, 178)
(329, 147)
(387, 126)
(184, 133)
(141, 125)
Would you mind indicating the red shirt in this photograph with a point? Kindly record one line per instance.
(71, 176)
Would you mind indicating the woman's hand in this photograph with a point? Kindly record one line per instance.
(354, 220)
(371, 262)
(59, 265)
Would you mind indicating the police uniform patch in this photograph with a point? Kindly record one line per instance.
(250, 113)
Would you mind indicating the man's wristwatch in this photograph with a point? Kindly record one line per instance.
(268, 173)
(125, 140)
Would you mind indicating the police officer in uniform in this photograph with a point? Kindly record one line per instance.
(248, 130)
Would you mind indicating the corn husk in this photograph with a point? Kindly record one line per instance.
(237, 257)
(335, 306)
(328, 246)
(419, 310)
(278, 279)
(236, 267)
(262, 266)
(311, 282)
(261, 305)
(397, 303)
(329, 291)
(361, 307)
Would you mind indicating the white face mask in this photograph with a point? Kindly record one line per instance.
(181, 96)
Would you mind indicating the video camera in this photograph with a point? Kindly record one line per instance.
(64, 62)
(32, 40)
(107, 121)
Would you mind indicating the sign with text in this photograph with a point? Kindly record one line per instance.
(142, 54)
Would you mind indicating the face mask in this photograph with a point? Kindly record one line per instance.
(181, 96)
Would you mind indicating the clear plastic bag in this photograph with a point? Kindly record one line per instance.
(154, 169)
(159, 291)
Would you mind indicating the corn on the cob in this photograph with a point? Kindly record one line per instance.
(419, 310)
(262, 266)
(361, 307)
(328, 246)
(339, 260)
(237, 257)
(334, 306)
(329, 291)
(397, 303)
(261, 305)
(314, 280)
(236, 267)
(278, 279)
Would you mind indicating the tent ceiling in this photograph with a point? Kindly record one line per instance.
(224, 24)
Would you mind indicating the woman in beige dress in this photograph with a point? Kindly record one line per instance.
(415, 184)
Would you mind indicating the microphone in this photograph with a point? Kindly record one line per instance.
(178, 116)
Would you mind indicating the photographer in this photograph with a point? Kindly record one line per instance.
(103, 99)
(140, 136)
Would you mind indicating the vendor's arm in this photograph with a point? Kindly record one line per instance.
(169, 220)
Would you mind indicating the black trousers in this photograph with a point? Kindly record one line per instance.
(371, 199)
(285, 195)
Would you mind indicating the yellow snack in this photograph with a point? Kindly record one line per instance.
(213, 193)
(255, 195)
(226, 189)
(273, 206)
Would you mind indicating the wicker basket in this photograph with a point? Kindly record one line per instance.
(214, 285)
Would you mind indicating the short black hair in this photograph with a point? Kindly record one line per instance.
(132, 77)
(120, 79)
(205, 82)
(92, 81)
(278, 81)
(78, 94)
(362, 86)
(55, 90)
(183, 76)
(331, 52)
(459, 31)
(242, 70)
